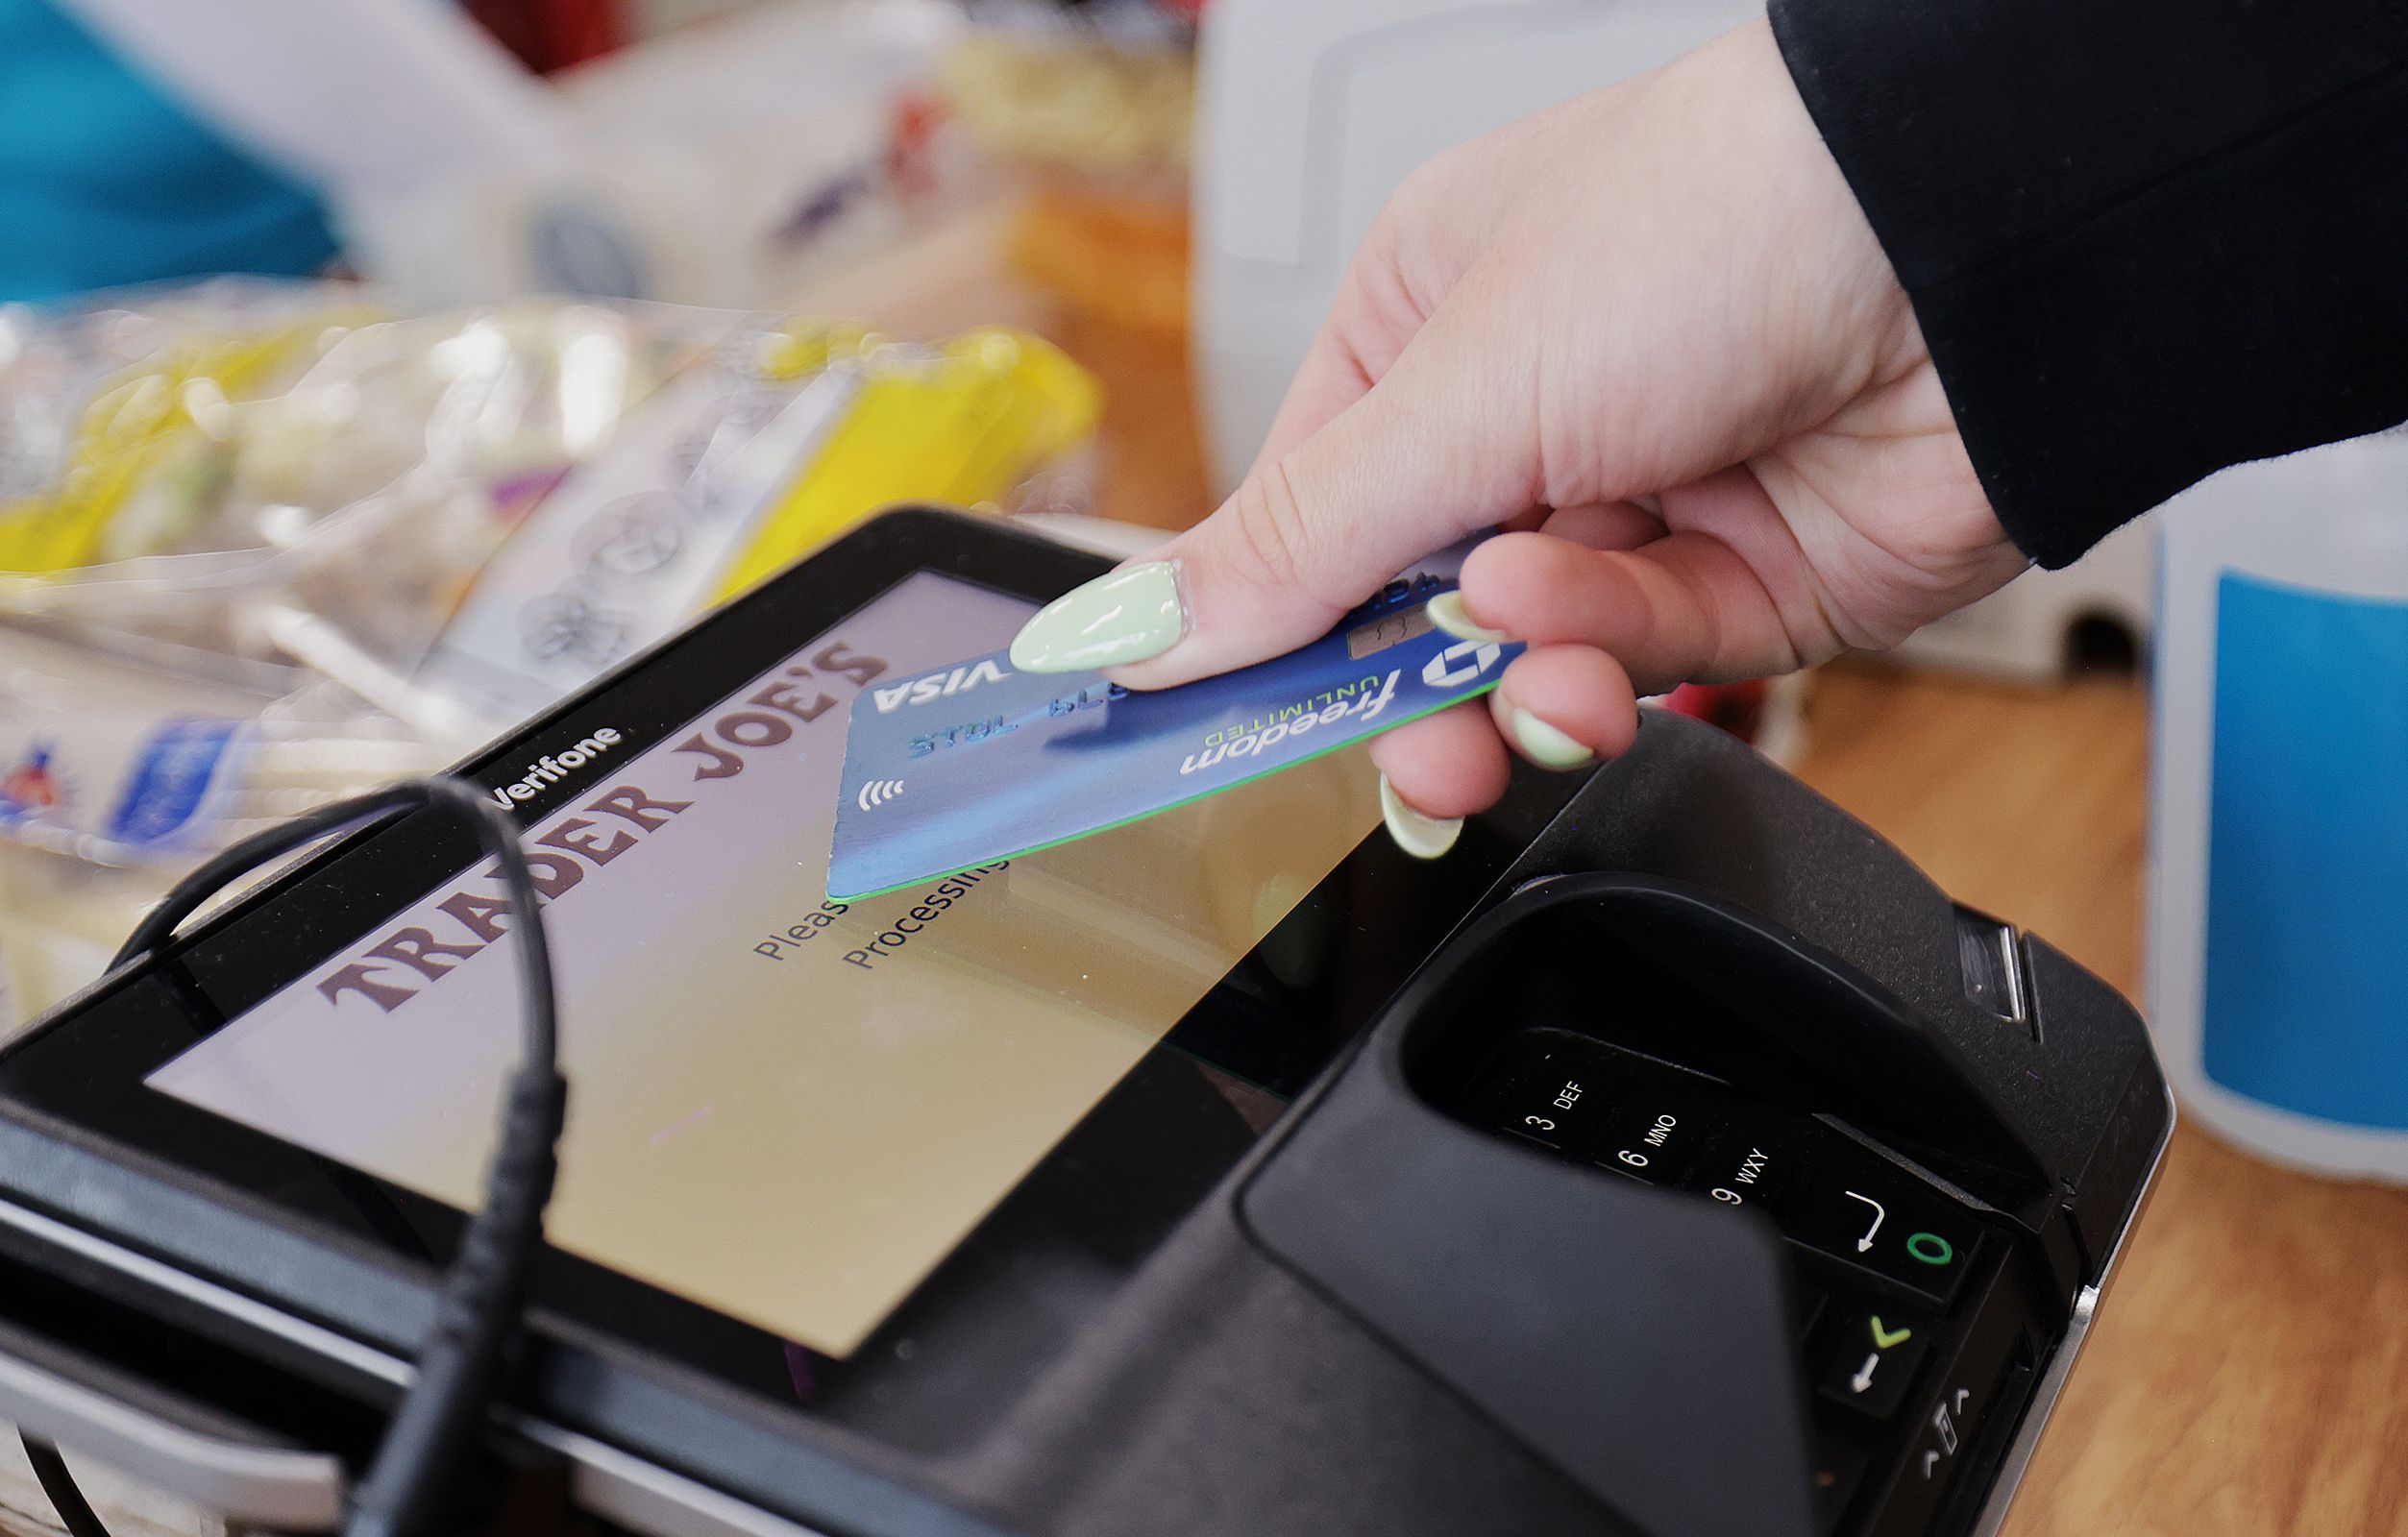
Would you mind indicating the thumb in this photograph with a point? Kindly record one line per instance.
(1411, 466)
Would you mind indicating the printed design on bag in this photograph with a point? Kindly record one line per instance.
(32, 788)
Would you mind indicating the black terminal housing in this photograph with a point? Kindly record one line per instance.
(1716, 1177)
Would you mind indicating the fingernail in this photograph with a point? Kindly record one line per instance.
(1446, 612)
(1540, 743)
(1422, 836)
(1126, 615)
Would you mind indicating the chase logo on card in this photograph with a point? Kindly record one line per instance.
(977, 763)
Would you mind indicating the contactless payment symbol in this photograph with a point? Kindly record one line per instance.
(877, 792)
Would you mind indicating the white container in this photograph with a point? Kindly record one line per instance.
(2278, 889)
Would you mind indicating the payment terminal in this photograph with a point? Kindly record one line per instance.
(1672, 1159)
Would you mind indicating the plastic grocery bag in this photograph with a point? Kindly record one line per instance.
(265, 545)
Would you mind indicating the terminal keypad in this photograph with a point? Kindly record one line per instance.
(1886, 1267)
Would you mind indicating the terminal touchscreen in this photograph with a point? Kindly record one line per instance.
(787, 1109)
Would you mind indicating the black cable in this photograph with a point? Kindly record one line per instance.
(476, 1313)
(75, 1512)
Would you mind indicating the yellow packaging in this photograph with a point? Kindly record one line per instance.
(133, 428)
(960, 424)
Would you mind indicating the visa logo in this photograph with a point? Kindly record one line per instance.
(938, 685)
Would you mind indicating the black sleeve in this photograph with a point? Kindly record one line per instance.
(2145, 239)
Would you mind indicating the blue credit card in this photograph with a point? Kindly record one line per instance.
(977, 763)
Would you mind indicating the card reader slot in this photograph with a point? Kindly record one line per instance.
(188, 1448)
(160, 1349)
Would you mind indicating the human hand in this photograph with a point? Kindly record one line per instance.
(1648, 333)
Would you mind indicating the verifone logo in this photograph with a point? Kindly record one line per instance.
(552, 767)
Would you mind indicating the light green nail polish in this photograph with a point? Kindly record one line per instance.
(1422, 836)
(1126, 615)
(1542, 744)
(1446, 612)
